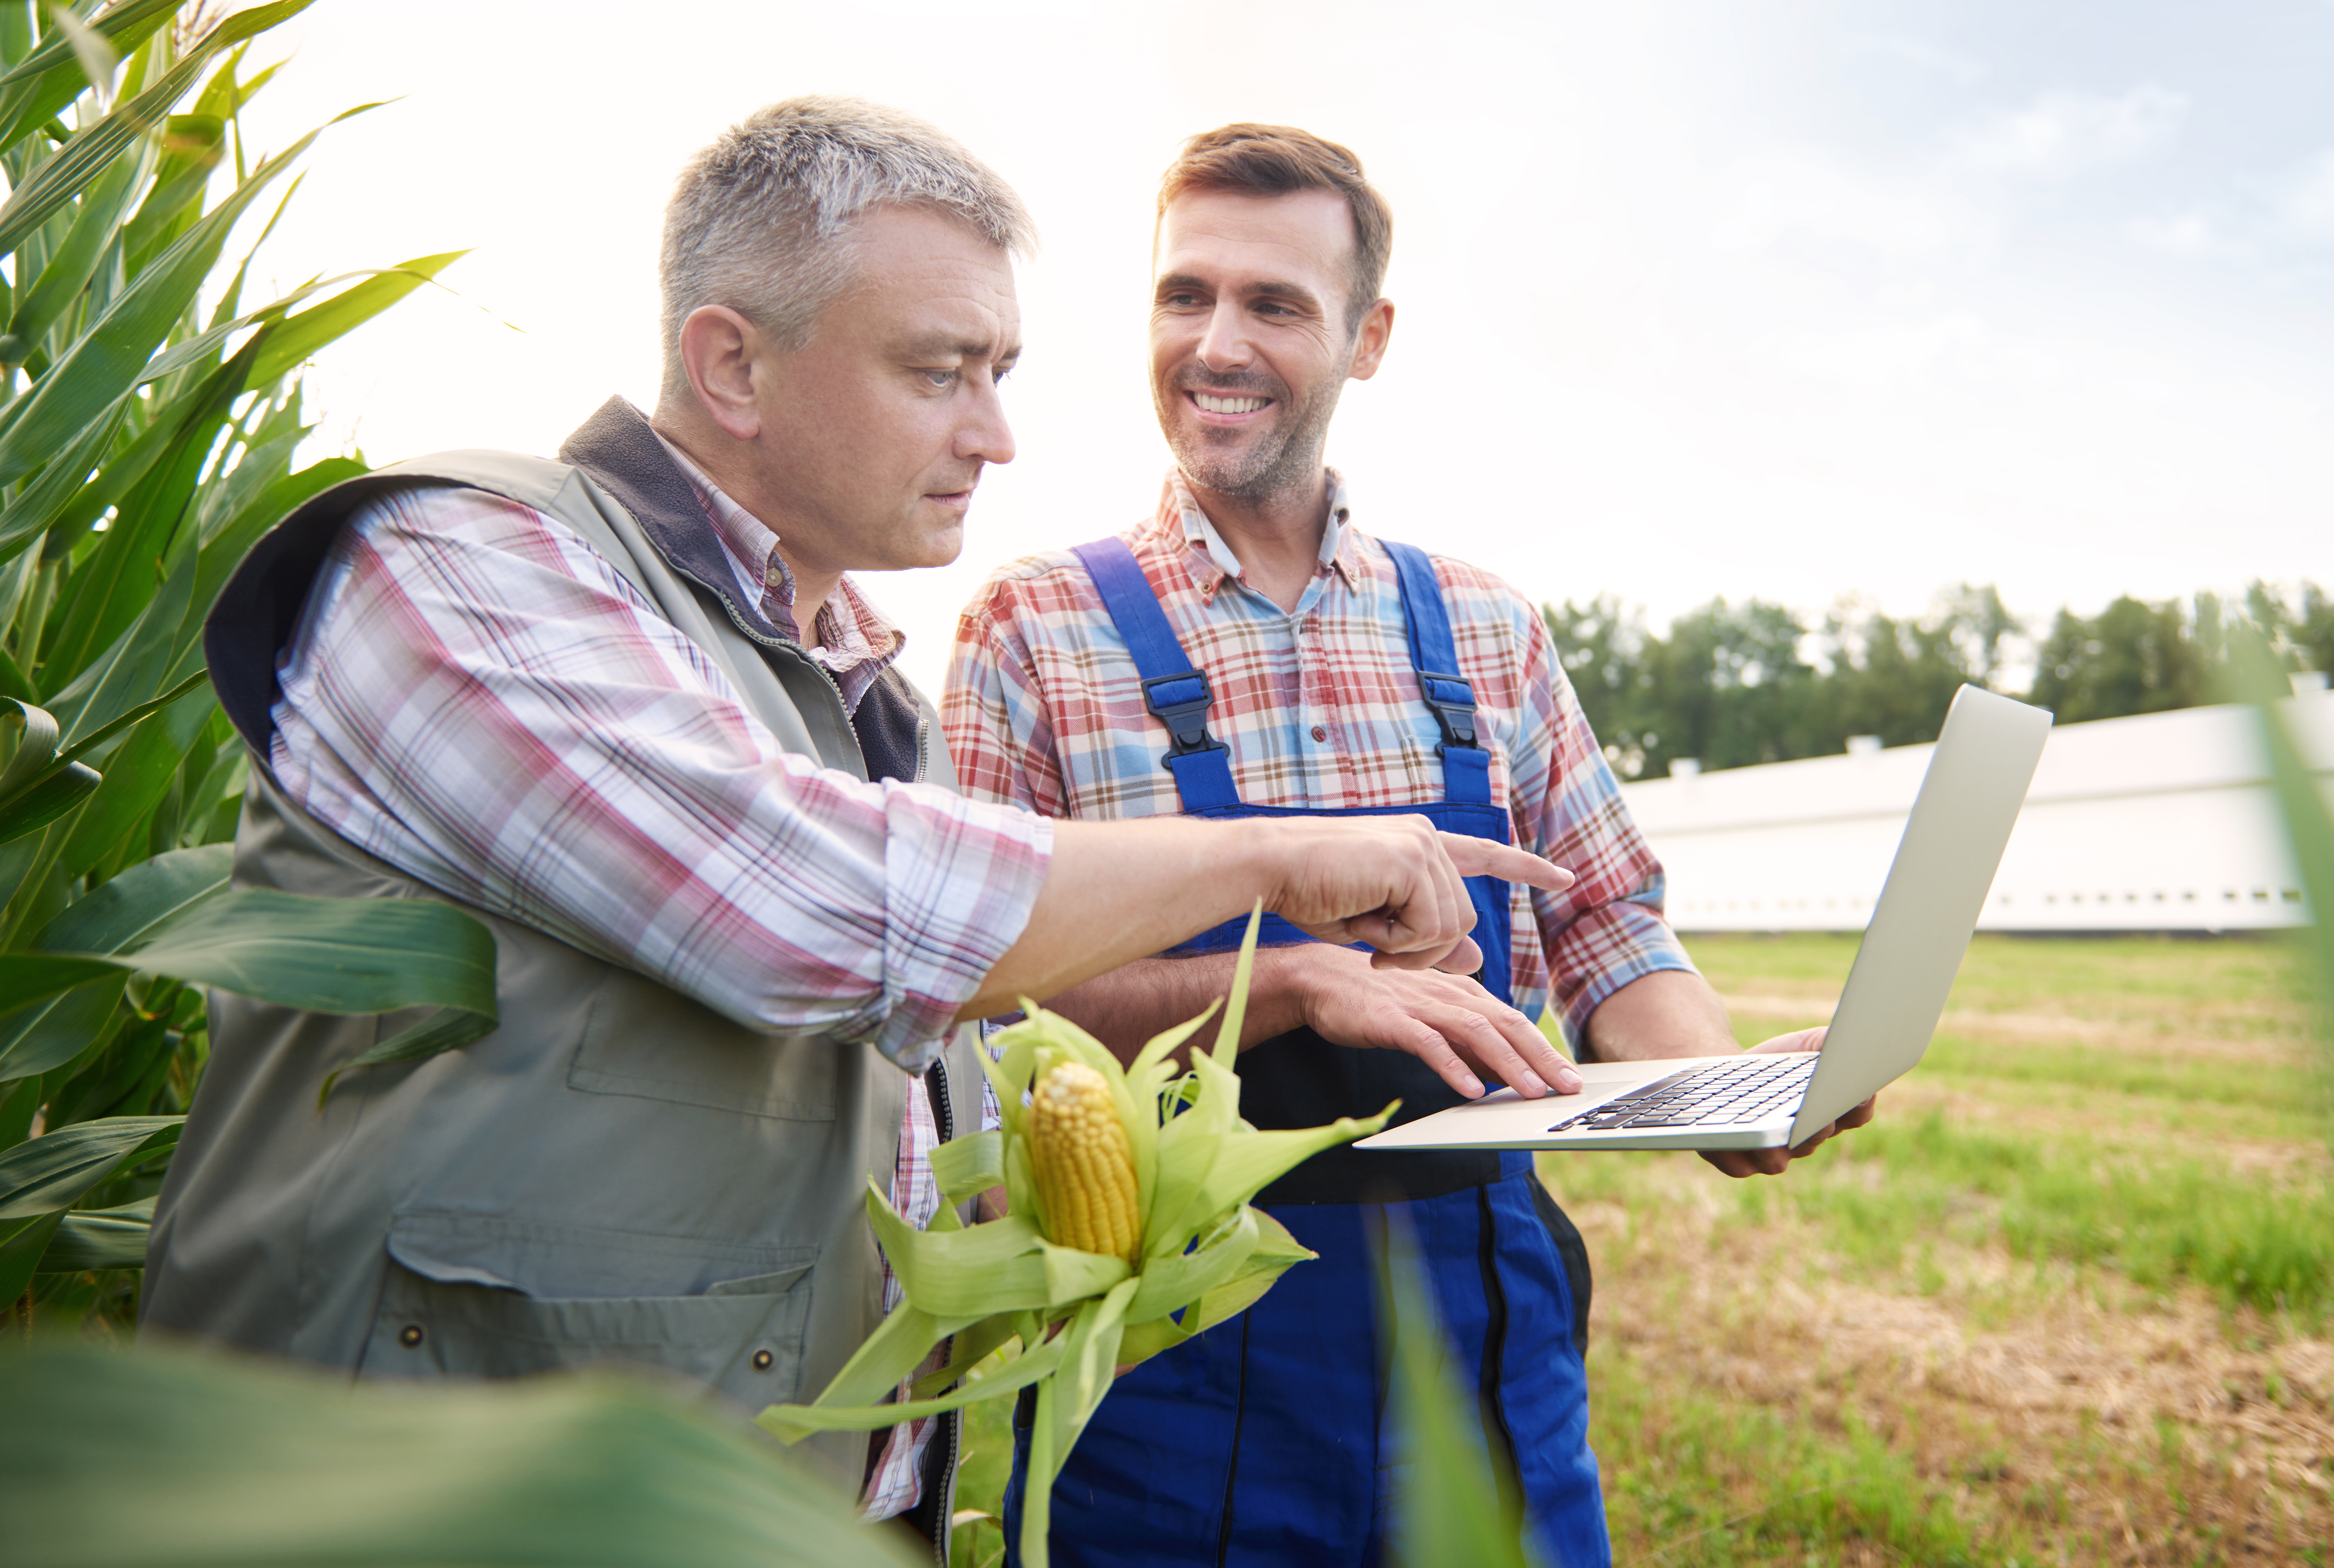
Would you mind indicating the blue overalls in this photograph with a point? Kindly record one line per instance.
(1265, 1440)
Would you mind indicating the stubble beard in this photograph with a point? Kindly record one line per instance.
(1283, 466)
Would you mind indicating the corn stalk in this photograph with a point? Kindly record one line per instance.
(149, 422)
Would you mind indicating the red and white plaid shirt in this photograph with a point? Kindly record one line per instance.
(1320, 709)
(474, 696)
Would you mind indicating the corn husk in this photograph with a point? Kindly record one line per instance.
(1022, 1311)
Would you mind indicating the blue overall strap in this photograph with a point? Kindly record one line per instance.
(1466, 764)
(1174, 691)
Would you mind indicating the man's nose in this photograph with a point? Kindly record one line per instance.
(1224, 346)
(986, 436)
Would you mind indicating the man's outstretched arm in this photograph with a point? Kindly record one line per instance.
(1117, 891)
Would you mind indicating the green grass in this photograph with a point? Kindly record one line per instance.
(1714, 1481)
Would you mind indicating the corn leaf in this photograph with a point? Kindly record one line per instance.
(172, 1458)
(970, 1165)
(301, 335)
(105, 1238)
(106, 361)
(792, 1423)
(51, 1172)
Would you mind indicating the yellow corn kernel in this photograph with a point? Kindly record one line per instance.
(1084, 1167)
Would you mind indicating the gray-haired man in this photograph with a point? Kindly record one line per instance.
(627, 709)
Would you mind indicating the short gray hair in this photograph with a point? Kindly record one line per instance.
(761, 220)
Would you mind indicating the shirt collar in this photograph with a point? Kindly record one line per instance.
(1178, 511)
(858, 635)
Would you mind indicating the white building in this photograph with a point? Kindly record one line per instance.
(2161, 823)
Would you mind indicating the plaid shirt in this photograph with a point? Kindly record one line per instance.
(475, 696)
(1320, 709)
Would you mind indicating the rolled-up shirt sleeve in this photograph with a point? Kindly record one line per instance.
(1607, 929)
(475, 696)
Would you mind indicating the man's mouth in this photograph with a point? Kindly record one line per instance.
(1211, 403)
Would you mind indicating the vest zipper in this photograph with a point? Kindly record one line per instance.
(730, 608)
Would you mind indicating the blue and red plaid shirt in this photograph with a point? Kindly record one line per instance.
(1321, 710)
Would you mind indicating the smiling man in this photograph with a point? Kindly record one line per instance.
(627, 707)
(1247, 650)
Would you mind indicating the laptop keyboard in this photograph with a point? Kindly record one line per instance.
(1720, 1094)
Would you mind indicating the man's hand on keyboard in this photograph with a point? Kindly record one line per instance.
(1775, 1161)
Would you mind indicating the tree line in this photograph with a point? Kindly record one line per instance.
(1734, 684)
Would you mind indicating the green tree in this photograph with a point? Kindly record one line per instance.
(2132, 658)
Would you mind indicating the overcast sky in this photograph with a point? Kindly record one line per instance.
(1795, 300)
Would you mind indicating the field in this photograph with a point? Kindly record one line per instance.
(2069, 1300)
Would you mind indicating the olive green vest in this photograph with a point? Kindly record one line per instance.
(616, 1173)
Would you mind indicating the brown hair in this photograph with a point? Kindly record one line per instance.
(1275, 159)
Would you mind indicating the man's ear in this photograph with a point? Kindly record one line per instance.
(1370, 343)
(720, 350)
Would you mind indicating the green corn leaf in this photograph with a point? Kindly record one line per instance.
(101, 1238)
(33, 735)
(897, 1347)
(29, 977)
(328, 955)
(71, 265)
(50, 77)
(1249, 1164)
(301, 335)
(792, 1423)
(23, 1243)
(172, 1458)
(968, 1274)
(968, 1165)
(118, 914)
(125, 675)
(61, 479)
(126, 911)
(91, 50)
(115, 581)
(136, 776)
(1171, 1284)
(447, 1029)
(83, 158)
(224, 550)
(1452, 1507)
(123, 28)
(39, 804)
(48, 1033)
(52, 1171)
(320, 954)
(968, 1348)
(193, 147)
(1064, 1405)
(108, 359)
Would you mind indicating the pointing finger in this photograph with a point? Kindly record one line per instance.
(1482, 858)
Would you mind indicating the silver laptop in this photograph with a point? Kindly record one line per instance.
(1895, 992)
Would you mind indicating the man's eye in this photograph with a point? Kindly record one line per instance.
(942, 378)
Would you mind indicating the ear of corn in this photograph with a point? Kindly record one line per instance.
(1130, 1191)
(1084, 1161)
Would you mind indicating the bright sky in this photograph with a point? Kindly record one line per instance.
(1797, 300)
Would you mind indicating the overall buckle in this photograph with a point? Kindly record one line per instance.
(1181, 702)
(1453, 702)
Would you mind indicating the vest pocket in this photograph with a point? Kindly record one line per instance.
(645, 1041)
(457, 1312)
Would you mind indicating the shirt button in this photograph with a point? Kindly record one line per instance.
(1320, 734)
(762, 1360)
(410, 1335)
